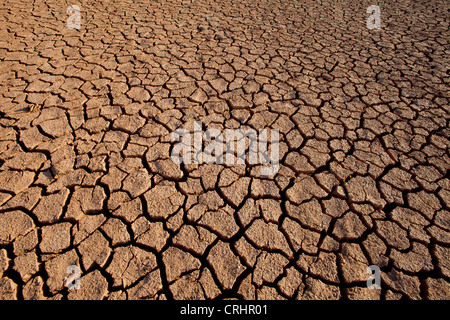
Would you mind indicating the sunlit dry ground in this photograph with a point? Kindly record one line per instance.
(86, 178)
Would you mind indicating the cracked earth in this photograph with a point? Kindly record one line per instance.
(86, 178)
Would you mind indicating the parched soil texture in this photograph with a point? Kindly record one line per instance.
(88, 187)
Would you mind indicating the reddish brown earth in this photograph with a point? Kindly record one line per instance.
(86, 178)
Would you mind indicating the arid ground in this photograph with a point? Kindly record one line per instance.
(87, 181)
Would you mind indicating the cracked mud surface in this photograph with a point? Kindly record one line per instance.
(85, 170)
